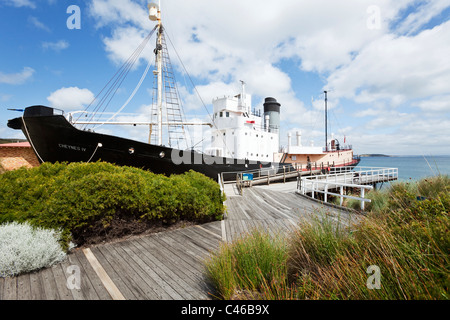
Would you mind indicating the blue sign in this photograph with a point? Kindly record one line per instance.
(247, 176)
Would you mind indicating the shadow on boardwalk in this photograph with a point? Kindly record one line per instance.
(163, 266)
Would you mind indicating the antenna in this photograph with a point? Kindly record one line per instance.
(326, 125)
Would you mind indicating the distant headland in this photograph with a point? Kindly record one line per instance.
(374, 155)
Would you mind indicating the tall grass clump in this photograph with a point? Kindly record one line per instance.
(25, 248)
(252, 267)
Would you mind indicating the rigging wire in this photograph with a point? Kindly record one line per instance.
(144, 75)
(116, 80)
(198, 94)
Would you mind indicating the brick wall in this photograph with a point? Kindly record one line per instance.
(12, 157)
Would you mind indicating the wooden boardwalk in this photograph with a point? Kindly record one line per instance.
(163, 266)
(275, 208)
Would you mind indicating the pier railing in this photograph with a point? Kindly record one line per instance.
(361, 178)
(266, 174)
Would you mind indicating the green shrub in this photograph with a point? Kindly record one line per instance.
(76, 196)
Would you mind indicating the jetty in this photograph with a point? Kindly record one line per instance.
(337, 183)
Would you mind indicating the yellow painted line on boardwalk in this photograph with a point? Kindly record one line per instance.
(104, 278)
(224, 232)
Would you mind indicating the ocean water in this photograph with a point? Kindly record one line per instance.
(411, 167)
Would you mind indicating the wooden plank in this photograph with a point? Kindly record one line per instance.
(245, 226)
(23, 287)
(191, 250)
(176, 266)
(237, 227)
(210, 232)
(160, 268)
(213, 226)
(77, 294)
(182, 250)
(160, 275)
(61, 283)
(91, 286)
(188, 278)
(104, 277)
(10, 288)
(213, 242)
(233, 228)
(180, 253)
(114, 273)
(36, 288)
(136, 276)
(151, 278)
(194, 266)
(49, 284)
(228, 230)
(234, 209)
(2, 284)
(258, 205)
(196, 237)
(224, 231)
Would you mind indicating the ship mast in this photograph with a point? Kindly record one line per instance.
(155, 15)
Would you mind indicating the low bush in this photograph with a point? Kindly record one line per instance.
(85, 198)
(251, 267)
(25, 248)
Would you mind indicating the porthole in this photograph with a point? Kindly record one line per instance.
(131, 150)
(162, 154)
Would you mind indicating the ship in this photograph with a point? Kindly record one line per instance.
(242, 138)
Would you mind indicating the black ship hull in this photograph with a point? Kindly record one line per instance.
(54, 139)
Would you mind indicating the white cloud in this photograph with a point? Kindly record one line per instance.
(118, 12)
(69, 99)
(435, 104)
(397, 68)
(402, 62)
(38, 24)
(122, 44)
(55, 46)
(426, 11)
(17, 78)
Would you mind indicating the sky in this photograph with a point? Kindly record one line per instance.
(384, 63)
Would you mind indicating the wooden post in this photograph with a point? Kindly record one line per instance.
(342, 198)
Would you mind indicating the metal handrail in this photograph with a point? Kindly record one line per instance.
(347, 178)
(263, 173)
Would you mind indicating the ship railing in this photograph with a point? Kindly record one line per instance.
(345, 177)
(345, 147)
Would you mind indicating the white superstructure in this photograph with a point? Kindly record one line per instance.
(241, 133)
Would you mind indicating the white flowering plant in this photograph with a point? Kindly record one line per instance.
(24, 248)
